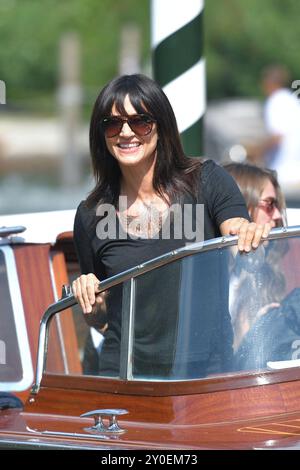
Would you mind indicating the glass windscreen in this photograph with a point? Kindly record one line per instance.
(211, 313)
(219, 312)
(97, 349)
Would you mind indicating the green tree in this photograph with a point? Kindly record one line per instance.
(30, 31)
(242, 36)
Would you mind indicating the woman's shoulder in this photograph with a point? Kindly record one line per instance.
(216, 184)
(84, 209)
(210, 169)
(85, 215)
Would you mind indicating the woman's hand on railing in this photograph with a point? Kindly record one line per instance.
(85, 289)
(249, 234)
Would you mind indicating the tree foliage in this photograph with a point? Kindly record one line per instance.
(241, 37)
(30, 32)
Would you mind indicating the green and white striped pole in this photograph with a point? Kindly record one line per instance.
(179, 66)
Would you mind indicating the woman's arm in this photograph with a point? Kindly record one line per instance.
(86, 286)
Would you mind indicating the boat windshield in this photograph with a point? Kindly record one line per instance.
(213, 312)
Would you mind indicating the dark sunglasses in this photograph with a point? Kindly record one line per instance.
(268, 205)
(140, 124)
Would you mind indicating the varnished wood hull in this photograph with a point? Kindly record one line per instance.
(261, 416)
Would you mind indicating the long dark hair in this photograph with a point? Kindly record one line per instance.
(174, 173)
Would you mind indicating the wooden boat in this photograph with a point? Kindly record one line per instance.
(209, 385)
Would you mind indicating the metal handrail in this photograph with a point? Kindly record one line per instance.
(69, 299)
(7, 231)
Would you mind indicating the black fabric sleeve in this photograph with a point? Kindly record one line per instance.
(83, 245)
(222, 194)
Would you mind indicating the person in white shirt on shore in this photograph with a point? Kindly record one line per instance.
(282, 120)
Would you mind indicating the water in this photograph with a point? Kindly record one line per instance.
(20, 195)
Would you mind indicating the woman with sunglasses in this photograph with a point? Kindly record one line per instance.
(138, 158)
(263, 195)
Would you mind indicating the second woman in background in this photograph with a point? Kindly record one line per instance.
(257, 292)
(263, 195)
